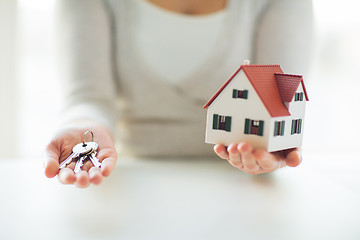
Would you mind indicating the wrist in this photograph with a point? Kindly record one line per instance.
(88, 124)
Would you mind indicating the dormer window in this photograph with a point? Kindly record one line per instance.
(299, 97)
(240, 94)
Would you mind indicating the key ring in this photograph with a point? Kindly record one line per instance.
(92, 137)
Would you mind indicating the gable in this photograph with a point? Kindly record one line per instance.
(226, 103)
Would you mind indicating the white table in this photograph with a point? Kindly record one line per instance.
(185, 199)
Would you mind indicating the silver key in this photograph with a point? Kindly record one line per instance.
(77, 150)
(68, 160)
(82, 151)
(92, 155)
(79, 164)
(94, 159)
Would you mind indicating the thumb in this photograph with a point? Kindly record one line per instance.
(294, 158)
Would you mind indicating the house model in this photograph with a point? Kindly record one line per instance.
(261, 105)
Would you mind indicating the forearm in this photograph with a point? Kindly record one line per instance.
(84, 114)
(85, 66)
(285, 35)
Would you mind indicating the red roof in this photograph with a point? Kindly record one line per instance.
(263, 79)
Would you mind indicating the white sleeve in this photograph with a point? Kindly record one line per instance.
(83, 35)
(285, 35)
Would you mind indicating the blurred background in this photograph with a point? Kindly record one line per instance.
(30, 97)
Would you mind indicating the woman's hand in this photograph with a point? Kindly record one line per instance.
(61, 146)
(255, 161)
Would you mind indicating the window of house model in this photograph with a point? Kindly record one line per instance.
(279, 128)
(296, 126)
(255, 127)
(222, 122)
(299, 96)
(240, 94)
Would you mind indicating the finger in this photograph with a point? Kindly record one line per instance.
(82, 179)
(293, 158)
(107, 166)
(51, 161)
(221, 151)
(108, 159)
(95, 175)
(266, 161)
(248, 160)
(234, 156)
(67, 176)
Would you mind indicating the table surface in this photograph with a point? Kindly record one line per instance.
(185, 199)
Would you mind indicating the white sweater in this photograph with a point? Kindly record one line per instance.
(117, 59)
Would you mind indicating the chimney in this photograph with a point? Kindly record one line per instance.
(246, 62)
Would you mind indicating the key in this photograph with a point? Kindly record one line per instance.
(68, 160)
(92, 145)
(92, 155)
(82, 151)
(94, 159)
(79, 164)
(77, 151)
